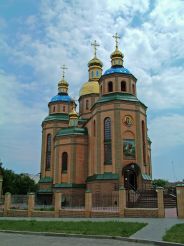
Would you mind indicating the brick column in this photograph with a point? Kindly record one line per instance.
(31, 203)
(88, 203)
(160, 202)
(122, 201)
(180, 200)
(57, 202)
(7, 203)
(1, 183)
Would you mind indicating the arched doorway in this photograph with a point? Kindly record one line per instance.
(130, 174)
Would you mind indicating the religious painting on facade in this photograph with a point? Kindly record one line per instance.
(129, 148)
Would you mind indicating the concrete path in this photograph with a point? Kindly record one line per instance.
(154, 231)
(7, 239)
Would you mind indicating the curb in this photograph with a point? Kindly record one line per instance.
(55, 234)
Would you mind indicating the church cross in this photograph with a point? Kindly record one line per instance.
(95, 45)
(116, 37)
(63, 69)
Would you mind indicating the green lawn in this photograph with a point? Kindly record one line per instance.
(175, 234)
(110, 228)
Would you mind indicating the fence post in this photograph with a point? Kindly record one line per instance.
(7, 203)
(122, 201)
(31, 203)
(57, 203)
(160, 202)
(88, 203)
(180, 200)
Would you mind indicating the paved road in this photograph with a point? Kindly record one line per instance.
(8, 239)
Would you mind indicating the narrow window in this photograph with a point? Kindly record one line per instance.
(87, 104)
(48, 152)
(97, 73)
(94, 128)
(143, 142)
(110, 86)
(92, 74)
(54, 108)
(107, 141)
(64, 162)
(133, 88)
(63, 108)
(101, 89)
(123, 86)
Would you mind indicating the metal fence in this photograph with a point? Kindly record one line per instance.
(43, 204)
(141, 199)
(73, 201)
(19, 202)
(105, 201)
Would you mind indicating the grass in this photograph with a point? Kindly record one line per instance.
(109, 228)
(175, 234)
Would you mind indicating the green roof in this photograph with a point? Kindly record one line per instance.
(69, 185)
(72, 131)
(45, 191)
(60, 117)
(146, 176)
(119, 96)
(46, 180)
(105, 176)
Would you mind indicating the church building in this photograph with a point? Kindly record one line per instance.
(106, 144)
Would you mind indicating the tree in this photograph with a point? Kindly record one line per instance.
(17, 183)
(160, 182)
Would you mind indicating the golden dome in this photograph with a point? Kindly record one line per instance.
(63, 82)
(95, 61)
(117, 53)
(89, 88)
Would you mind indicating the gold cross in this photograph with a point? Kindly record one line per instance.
(95, 45)
(64, 68)
(116, 37)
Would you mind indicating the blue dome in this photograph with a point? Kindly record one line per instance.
(61, 98)
(117, 70)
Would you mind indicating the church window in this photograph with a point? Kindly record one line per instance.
(94, 128)
(123, 86)
(97, 73)
(63, 108)
(101, 89)
(107, 141)
(92, 74)
(87, 104)
(133, 88)
(110, 86)
(54, 108)
(143, 142)
(64, 162)
(48, 152)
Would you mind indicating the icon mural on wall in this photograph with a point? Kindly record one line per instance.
(128, 121)
(129, 148)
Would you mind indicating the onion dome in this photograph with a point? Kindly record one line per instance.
(117, 55)
(89, 88)
(73, 117)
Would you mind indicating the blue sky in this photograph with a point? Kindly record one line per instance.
(37, 37)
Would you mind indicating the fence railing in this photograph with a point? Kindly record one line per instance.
(73, 201)
(1, 203)
(141, 199)
(19, 202)
(105, 201)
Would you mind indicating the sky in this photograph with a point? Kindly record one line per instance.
(38, 36)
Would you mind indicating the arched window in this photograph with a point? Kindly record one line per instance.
(97, 73)
(94, 128)
(133, 88)
(110, 86)
(107, 141)
(54, 108)
(87, 104)
(64, 162)
(92, 74)
(48, 152)
(63, 108)
(143, 142)
(123, 86)
(101, 89)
